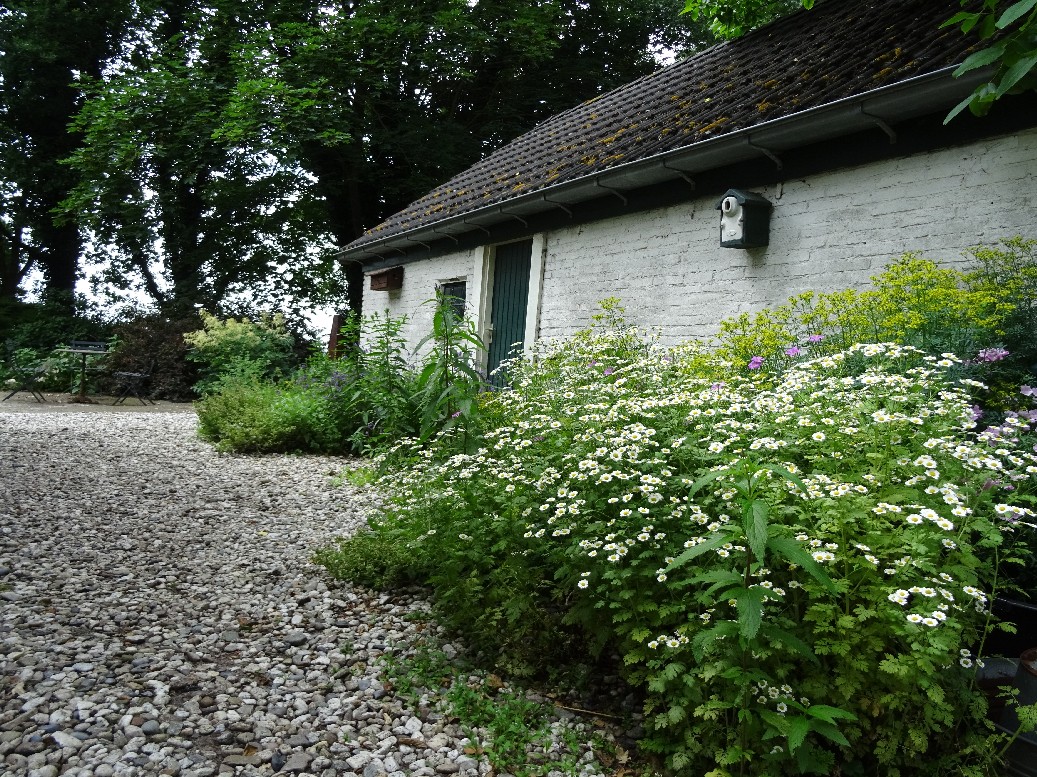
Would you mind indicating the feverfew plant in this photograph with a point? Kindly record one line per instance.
(795, 566)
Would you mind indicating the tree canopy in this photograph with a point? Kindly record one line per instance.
(46, 47)
(213, 150)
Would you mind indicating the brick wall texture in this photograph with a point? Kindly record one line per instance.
(827, 232)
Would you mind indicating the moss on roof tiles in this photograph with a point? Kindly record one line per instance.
(803, 61)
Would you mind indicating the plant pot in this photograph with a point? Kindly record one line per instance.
(1022, 615)
(1021, 757)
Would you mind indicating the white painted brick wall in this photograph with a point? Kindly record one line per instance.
(828, 232)
(420, 280)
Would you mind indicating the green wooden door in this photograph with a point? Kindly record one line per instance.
(508, 304)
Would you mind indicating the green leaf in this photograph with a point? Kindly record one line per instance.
(707, 478)
(1015, 73)
(981, 58)
(750, 611)
(712, 543)
(787, 475)
(829, 714)
(1013, 12)
(775, 635)
(830, 732)
(756, 527)
(792, 551)
(966, 19)
(798, 731)
(705, 638)
(974, 102)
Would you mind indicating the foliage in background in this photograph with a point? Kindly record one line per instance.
(232, 349)
(365, 401)
(196, 152)
(47, 45)
(32, 332)
(152, 343)
(986, 314)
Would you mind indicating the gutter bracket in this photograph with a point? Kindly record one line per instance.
(765, 151)
(420, 243)
(610, 190)
(558, 205)
(444, 234)
(515, 216)
(687, 178)
(881, 124)
(477, 226)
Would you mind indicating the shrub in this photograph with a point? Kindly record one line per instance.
(155, 343)
(990, 307)
(366, 400)
(248, 416)
(239, 349)
(793, 564)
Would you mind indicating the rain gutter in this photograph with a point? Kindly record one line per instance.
(878, 108)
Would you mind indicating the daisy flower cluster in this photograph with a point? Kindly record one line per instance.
(691, 512)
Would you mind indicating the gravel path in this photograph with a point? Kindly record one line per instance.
(161, 614)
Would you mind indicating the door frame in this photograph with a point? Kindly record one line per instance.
(482, 300)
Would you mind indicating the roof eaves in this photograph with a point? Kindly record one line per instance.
(881, 107)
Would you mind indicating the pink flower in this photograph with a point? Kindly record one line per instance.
(755, 363)
(815, 338)
(793, 351)
(992, 354)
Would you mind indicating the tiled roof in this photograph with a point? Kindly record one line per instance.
(839, 49)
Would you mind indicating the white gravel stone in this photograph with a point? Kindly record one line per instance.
(162, 614)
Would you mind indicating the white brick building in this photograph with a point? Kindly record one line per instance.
(857, 166)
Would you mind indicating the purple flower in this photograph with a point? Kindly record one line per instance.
(608, 371)
(793, 351)
(992, 354)
(977, 412)
(455, 415)
(755, 363)
(716, 387)
(1028, 391)
(815, 338)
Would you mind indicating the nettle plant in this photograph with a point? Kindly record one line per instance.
(796, 571)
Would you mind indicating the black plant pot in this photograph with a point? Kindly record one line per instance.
(1022, 615)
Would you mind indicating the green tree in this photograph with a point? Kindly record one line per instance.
(230, 141)
(177, 211)
(46, 47)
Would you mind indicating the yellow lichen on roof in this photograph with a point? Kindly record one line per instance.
(713, 125)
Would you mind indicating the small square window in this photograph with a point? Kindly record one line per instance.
(455, 292)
